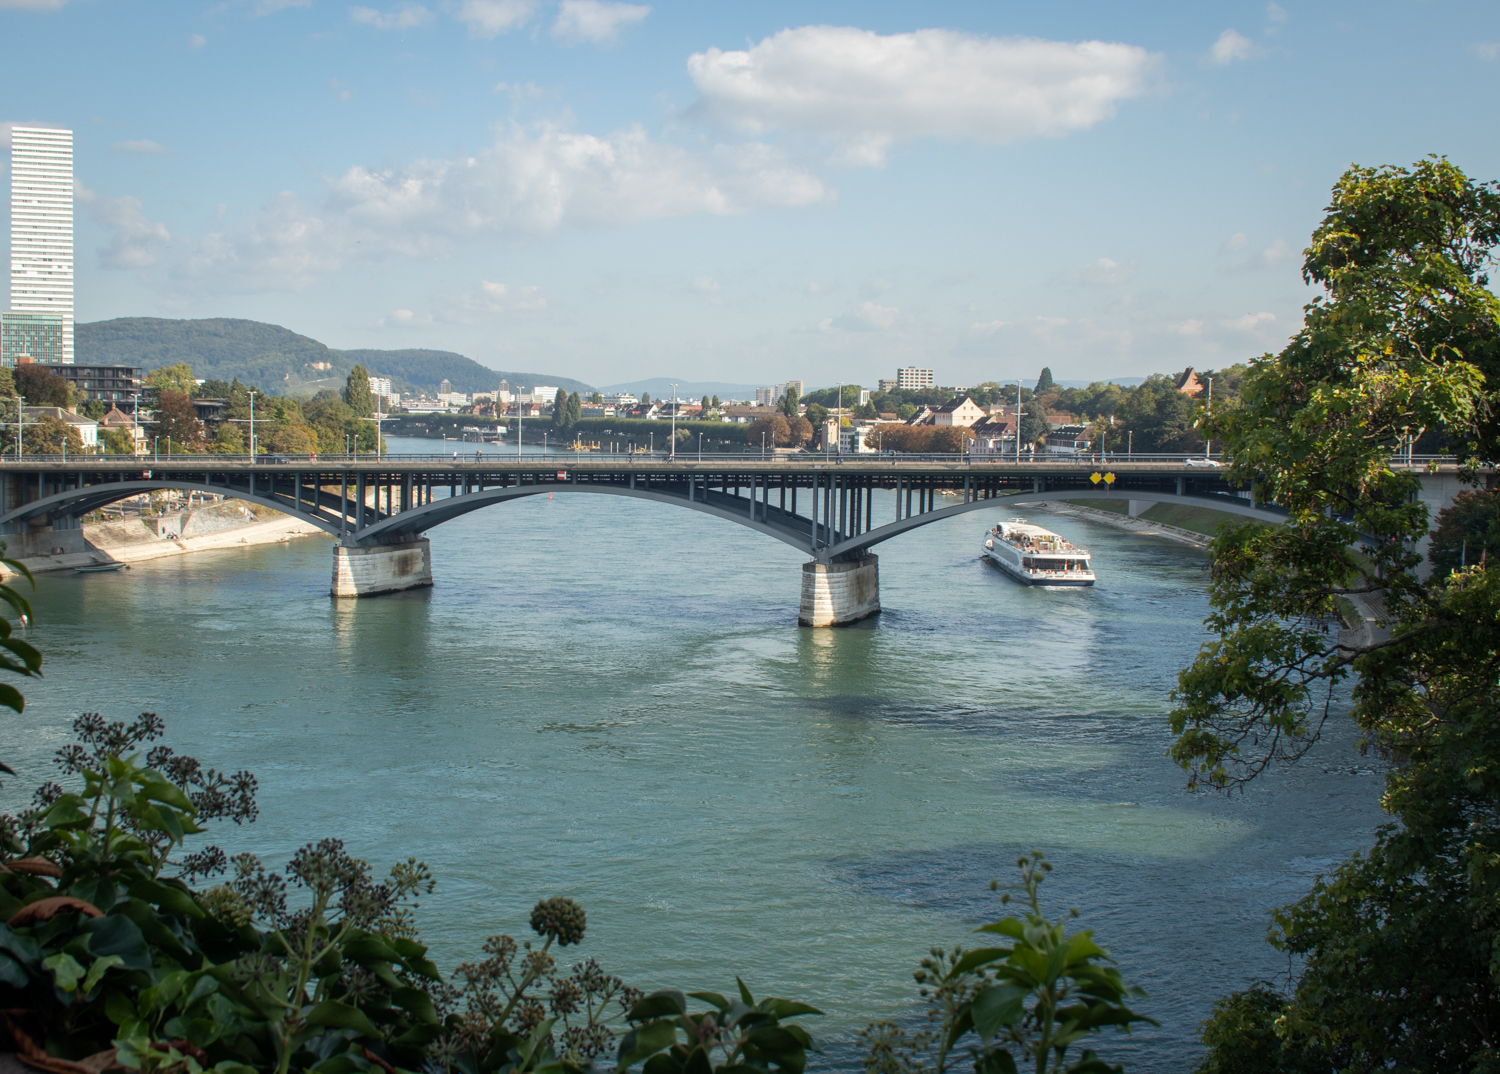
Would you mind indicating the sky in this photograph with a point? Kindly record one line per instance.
(750, 193)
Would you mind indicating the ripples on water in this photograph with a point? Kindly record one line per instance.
(610, 699)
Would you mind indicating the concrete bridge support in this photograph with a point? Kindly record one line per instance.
(840, 592)
(382, 568)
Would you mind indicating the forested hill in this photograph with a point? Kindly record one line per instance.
(278, 359)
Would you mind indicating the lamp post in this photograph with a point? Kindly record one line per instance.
(20, 426)
(672, 454)
(700, 447)
(1208, 445)
(252, 425)
(519, 418)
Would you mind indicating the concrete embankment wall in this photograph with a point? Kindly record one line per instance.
(229, 524)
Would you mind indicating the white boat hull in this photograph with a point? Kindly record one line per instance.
(1010, 560)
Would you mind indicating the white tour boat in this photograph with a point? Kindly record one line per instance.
(1036, 556)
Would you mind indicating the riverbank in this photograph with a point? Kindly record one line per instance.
(229, 524)
(1120, 520)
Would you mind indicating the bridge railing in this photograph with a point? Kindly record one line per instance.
(562, 457)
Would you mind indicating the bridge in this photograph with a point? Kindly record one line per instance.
(379, 509)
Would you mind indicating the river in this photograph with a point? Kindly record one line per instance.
(610, 699)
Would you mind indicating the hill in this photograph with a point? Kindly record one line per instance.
(279, 360)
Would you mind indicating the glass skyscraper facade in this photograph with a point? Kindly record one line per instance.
(38, 335)
(41, 227)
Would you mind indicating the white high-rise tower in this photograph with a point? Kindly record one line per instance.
(41, 226)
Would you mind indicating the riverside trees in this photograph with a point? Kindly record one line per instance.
(1400, 947)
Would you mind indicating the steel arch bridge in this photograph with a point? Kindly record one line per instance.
(378, 509)
(823, 507)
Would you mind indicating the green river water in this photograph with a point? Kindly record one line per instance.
(610, 699)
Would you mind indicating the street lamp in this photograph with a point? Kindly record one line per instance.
(1208, 445)
(672, 454)
(700, 447)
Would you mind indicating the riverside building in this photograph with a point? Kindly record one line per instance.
(41, 229)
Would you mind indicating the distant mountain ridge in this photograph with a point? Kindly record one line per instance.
(281, 361)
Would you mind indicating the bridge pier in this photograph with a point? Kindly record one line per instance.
(382, 568)
(839, 592)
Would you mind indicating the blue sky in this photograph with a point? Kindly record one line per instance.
(748, 192)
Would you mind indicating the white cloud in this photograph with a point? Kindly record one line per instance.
(135, 238)
(270, 7)
(1105, 272)
(488, 18)
(470, 307)
(144, 146)
(403, 16)
(1249, 322)
(867, 317)
(1487, 50)
(197, 41)
(1231, 45)
(1277, 253)
(987, 328)
(705, 285)
(32, 5)
(598, 21)
(1275, 15)
(530, 181)
(1187, 328)
(404, 319)
(866, 91)
(339, 90)
(1234, 243)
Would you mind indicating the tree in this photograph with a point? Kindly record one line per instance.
(575, 409)
(1467, 532)
(52, 436)
(117, 441)
(645, 398)
(596, 399)
(229, 439)
(7, 384)
(775, 429)
(1044, 382)
(789, 402)
(176, 422)
(173, 378)
(357, 393)
(41, 387)
(1399, 947)
(717, 404)
(817, 414)
(906, 412)
(560, 410)
(93, 408)
(799, 432)
(706, 407)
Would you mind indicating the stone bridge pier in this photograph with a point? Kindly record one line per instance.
(382, 568)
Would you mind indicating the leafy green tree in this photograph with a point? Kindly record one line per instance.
(1044, 382)
(560, 410)
(646, 399)
(706, 406)
(575, 409)
(93, 408)
(716, 403)
(229, 439)
(357, 393)
(173, 378)
(1467, 532)
(789, 403)
(1161, 418)
(176, 420)
(117, 441)
(41, 387)
(1399, 948)
(52, 436)
(906, 411)
(7, 383)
